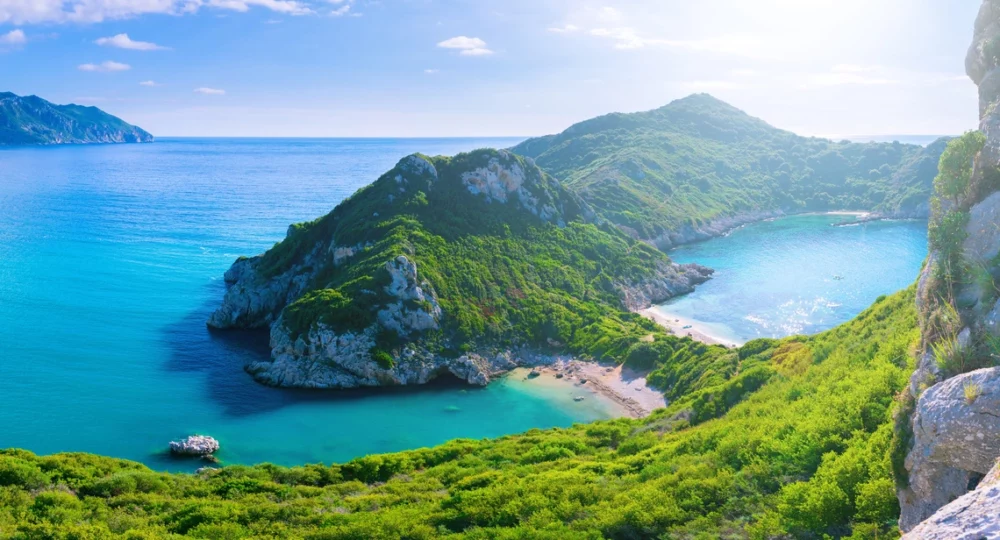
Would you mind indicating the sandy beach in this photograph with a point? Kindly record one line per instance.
(623, 388)
(697, 330)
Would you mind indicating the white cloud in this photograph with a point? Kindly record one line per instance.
(466, 46)
(344, 9)
(14, 37)
(93, 11)
(105, 67)
(432, 71)
(210, 91)
(149, 83)
(564, 29)
(122, 41)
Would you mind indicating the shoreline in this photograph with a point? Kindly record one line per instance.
(697, 330)
(622, 388)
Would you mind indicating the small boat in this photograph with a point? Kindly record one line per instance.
(838, 277)
(686, 327)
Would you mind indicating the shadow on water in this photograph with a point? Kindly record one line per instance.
(221, 355)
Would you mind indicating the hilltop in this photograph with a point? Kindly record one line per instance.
(467, 266)
(699, 166)
(32, 120)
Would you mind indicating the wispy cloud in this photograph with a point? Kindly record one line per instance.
(432, 71)
(210, 91)
(149, 83)
(467, 46)
(94, 11)
(122, 41)
(105, 67)
(564, 29)
(344, 9)
(14, 38)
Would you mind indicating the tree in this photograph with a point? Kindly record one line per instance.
(955, 169)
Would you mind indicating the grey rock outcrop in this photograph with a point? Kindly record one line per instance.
(195, 445)
(972, 516)
(670, 280)
(956, 433)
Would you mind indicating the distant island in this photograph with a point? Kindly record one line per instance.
(31, 120)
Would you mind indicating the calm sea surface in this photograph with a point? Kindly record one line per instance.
(798, 275)
(111, 259)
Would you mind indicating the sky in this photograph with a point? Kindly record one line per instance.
(437, 68)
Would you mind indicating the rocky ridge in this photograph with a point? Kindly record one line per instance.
(406, 305)
(33, 120)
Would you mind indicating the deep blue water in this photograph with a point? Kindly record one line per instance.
(798, 275)
(111, 260)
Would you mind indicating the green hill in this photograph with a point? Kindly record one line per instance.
(698, 166)
(32, 120)
(468, 265)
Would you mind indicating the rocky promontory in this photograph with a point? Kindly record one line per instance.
(463, 266)
(32, 120)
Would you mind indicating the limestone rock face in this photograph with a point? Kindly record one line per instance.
(503, 180)
(399, 316)
(195, 445)
(671, 280)
(956, 432)
(983, 243)
(972, 516)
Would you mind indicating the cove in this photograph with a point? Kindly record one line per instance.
(111, 260)
(796, 275)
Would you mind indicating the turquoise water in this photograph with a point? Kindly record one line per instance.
(779, 278)
(111, 260)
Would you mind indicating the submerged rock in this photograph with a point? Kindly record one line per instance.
(195, 445)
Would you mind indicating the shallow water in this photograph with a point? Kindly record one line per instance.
(111, 260)
(798, 275)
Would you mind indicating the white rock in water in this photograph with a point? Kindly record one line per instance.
(195, 445)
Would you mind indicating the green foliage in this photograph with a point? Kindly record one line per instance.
(955, 169)
(800, 454)
(383, 359)
(699, 159)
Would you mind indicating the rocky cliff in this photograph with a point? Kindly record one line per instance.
(469, 266)
(32, 120)
(955, 425)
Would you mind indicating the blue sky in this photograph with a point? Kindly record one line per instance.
(490, 67)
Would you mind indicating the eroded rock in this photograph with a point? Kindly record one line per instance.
(956, 438)
(195, 445)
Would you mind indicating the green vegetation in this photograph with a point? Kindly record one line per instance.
(32, 120)
(957, 190)
(698, 159)
(796, 443)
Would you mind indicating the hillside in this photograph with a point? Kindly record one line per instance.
(32, 120)
(467, 266)
(699, 166)
(796, 445)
